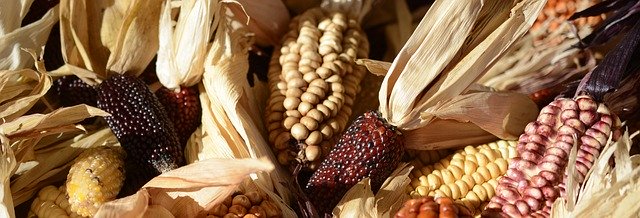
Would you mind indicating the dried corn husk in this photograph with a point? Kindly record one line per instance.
(268, 20)
(204, 183)
(360, 201)
(7, 167)
(14, 38)
(611, 189)
(105, 37)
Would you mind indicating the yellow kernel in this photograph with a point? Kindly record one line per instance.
(481, 159)
(444, 162)
(478, 178)
(470, 167)
(470, 150)
(455, 191)
(463, 187)
(456, 171)
(480, 192)
(494, 170)
(485, 173)
(491, 191)
(457, 162)
(433, 181)
(446, 191)
(467, 179)
(447, 177)
(423, 191)
(438, 166)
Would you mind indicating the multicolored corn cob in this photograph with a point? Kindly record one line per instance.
(370, 147)
(536, 178)
(95, 177)
(313, 80)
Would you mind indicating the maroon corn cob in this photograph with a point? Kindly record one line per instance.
(72, 91)
(142, 127)
(536, 178)
(428, 207)
(183, 108)
(370, 147)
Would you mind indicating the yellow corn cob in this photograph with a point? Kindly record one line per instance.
(95, 178)
(468, 175)
(51, 202)
(313, 81)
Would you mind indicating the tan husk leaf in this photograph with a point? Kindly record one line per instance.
(52, 165)
(183, 48)
(360, 201)
(29, 95)
(458, 42)
(7, 166)
(14, 38)
(269, 20)
(60, 120)
(188, 190)
(103, 37)
(610, 189)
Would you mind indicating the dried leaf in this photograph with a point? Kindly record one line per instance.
(12, 18)
(183, 47)
(376, 67)
(32, 36)
(188, 190)
(459, 42)
(269, 20)
(7, 166)
(16, 108)
(443, 134)
(60, 120)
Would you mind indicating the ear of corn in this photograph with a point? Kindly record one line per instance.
(536, 178)
(468, 176)
(95, 177)
(428, 207)
(51, 202)
(253, 203)
(72, 91)
(142, 127)
(183, 109)
(370, 147)
(313, 81)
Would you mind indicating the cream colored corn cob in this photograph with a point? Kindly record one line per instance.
(51, 202)
(468, 176)
(95, 178)
(313, 81)
(250, 204)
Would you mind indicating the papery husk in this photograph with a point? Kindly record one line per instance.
(109, 37)
(20, 90)
(611, 189)
(269, 20)
(7, 167)
(14, 38)
(183, 48)
(231, 126)
(534, 65)
(360, 201)
(187, 191)
(53, 164)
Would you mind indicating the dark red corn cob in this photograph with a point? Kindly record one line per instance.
(183, 108)
(536, 178)
(370, 147)
(142, 127)
(428, 207)
(71, 91)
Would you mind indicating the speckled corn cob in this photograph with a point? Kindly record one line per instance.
(313, 81)
(95, 177)
(467, 176)
(250, 204)
(428, 207)
(51, 202)
(536, 178)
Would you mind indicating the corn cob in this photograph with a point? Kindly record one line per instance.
(467, 176)
(51, 202)
(369, 148)
(536, 178)
(72, 91)
(142, 127)
(558, 11)
(183, 108)
(95, 177)
(251, 204)
(428, 207)
(313, 81)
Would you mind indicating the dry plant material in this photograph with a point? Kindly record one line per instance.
(142, 127)
(313, 81)
(469, 176)
(556, 12)
(430, 207)
(51, 202)
(95, 177)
